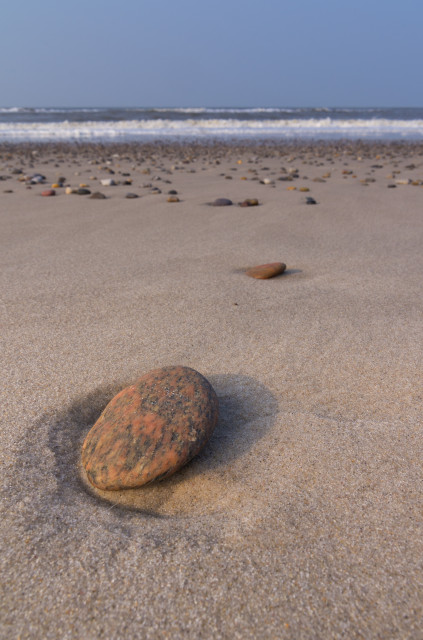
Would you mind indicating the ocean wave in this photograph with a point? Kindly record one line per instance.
(212, 127)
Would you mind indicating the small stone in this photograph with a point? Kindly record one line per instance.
(8, 191)
(392, 186)
(37, 178)
(48, 192)
(131, 196)
(266, 181)
(69, 190)
(108, 182)
(221, 202)
(56, 185)
(173, 199)
(265, 271)
(150, 429)
(310, 201)
(249, 202)
(82, 192)
(303, 189)
(172, 192)
(97, 196)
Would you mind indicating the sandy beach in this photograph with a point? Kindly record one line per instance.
(303, 516)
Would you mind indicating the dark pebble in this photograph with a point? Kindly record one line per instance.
(221, 202)
(97, 196)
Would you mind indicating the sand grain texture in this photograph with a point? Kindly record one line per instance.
(303, 515)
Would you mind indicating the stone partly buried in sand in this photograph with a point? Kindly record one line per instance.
(150, 429)
(265, 271)
(221, 202)
(249, 202)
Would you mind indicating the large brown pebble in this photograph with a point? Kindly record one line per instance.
(150, 429)
(264, 271)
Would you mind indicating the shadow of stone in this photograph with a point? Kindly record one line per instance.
(291, 272)
(246, 411)
(287, 272)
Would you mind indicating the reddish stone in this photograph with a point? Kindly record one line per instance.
(150, 429)
(48, 192)
(264, 271)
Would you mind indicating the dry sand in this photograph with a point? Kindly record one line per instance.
(303, 517)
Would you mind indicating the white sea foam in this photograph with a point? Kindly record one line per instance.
(208, 128)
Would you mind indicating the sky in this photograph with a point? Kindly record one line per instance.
(245, 53)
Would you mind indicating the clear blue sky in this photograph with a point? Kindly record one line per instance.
(215, 53)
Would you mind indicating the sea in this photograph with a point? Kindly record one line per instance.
(108, 124)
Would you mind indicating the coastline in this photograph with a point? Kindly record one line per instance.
(302, 517)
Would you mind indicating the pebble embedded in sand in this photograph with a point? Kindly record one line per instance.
(97, 195)
(221, 202)
(173, 199)
(265, 271)
(131, 196)
(108, 182)
(82, 192)
(150, 429)
(249, 202)
(48, 192)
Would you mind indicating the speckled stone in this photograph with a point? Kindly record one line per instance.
(265, 271)
(249, 202)
(150, 429)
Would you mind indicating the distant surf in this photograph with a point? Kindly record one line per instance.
(49, 124)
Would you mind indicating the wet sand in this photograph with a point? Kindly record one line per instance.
(303, 517)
